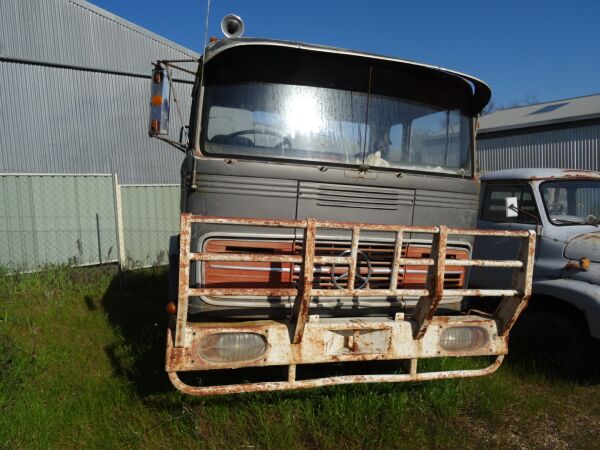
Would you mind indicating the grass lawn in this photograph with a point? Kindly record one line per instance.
(81, 365)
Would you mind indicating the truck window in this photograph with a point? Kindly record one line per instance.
(494, 204)
(340, 116)
(571, 202)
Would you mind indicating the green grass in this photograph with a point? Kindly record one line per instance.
(81, 366)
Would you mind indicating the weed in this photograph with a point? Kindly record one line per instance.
(81, 365)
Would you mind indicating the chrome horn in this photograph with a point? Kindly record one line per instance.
(232, 26)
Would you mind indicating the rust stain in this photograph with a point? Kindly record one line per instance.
(291, 343)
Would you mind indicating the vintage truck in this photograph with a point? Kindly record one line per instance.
(562, 324)
(328, 204)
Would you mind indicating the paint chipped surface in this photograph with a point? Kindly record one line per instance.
(300, 341)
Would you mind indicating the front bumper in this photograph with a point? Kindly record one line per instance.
(306, 339)
(333, 341)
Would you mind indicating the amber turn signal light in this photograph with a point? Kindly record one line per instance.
(171, 308)
(584, 263)
(156, 100)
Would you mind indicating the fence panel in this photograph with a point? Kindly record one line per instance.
(150, 215)
(56, 219)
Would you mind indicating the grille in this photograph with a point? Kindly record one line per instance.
(286, 275)
(381, 260)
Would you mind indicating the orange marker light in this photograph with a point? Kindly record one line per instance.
(584, 263)
(171, 308)
(157, 100)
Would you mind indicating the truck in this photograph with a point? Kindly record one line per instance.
(328, 204)
(561, 326)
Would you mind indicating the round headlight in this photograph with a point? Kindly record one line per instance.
(463, 338)
(228, 347)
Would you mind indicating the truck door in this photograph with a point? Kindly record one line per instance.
(492, 216)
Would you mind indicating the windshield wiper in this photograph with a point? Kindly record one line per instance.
(592, 220)
(572, 222)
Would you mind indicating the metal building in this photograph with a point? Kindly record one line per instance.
(561, 133)
(75, 82)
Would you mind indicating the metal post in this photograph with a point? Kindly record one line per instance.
(511, 307)
(299, 314)
(184, 279)
(118, 222)
(427, 306)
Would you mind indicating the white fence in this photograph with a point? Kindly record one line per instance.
(84, 220)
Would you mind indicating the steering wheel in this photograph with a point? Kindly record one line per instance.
(357, 276)
(284, 144)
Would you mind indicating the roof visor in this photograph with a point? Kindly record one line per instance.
(248, 60)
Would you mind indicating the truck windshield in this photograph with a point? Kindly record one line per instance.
(572, 202)
(334, 126)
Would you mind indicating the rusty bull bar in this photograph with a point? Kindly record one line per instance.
(305, 339)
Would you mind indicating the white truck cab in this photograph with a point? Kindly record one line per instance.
(562, 206)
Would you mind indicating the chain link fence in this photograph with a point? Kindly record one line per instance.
(84, 220)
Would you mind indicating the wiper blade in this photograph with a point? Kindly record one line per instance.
(592, 220)
(573, 222)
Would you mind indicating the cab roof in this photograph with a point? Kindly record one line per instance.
(531, 174)
(480, 92)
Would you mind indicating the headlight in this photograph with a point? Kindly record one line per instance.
(227, 347)
(463, 338)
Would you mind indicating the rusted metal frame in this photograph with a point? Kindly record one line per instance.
(511, 307)
(282, 223)
(299, 313)
(268, 292)
(376, 227)
(258, 257)
(330, 381)
(481, 292)
(483, 263)
(497, 233)
(416, 262)
(427, 305)
(276, 223)
(369, 292)
(265, 292)
(353, 258)
(246, 257)
(397, 261)
(324, 342)
(184, 278)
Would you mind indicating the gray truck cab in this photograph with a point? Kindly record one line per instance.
(562, 206)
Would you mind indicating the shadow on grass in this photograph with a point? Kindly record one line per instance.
(135, 305)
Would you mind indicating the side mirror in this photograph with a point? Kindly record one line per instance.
(511, 207)
(159, 101)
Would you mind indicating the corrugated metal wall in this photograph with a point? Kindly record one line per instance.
(569, 147)
(75, 32)
(79, 118)
(56, 219)
(150, 216)
(57, 120)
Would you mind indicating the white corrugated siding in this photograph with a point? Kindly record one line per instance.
(58, 120)
(576, 147)
(75, 32)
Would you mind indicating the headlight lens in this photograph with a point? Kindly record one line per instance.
(227, 347)
(463, 338)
